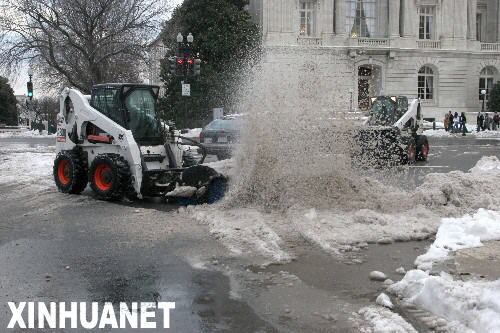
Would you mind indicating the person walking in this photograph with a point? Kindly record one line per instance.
(446, 122)
(496, 121)
(456, 122)
(487, 122)
(450, 121)
(463, 122)
(480, 121)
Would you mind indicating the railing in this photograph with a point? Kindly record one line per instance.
(428, 44)
(495, 47)
(309, 41)
(374, 42)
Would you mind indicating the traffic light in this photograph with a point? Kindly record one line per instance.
(197, 67)
(173, 65)
(29, 86)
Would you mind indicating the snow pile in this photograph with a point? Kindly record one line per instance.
(193, 133)
(460, 233)
(381, 320)
(475, 305)
(463, 192)
(26, 134)
(27, 166)
(486, 164)
(243, 231)
(224, 167)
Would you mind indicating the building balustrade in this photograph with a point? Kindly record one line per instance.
(373, 42)
(309, 41)
(492, 47)
(428, 44)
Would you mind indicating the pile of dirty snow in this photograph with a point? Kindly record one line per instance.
(463, 192)
(437, 133)
(475, 305)
(461, 233)
(377, 319)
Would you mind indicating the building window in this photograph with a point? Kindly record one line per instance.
(479, 25)
(307, 13)
(426, 83)
(487, 79)
(426, 23)
(361, 18)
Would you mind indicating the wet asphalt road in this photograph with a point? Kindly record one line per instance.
(55, 247)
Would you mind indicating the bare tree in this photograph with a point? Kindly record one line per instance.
(79, 42)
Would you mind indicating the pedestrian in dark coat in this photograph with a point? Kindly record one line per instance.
(463, 121)
(480, 121)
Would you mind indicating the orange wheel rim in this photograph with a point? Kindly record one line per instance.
(63, 172)
(103, 177)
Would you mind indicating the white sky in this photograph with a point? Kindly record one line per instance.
(19, 83)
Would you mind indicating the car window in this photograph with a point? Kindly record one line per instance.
(225, 124)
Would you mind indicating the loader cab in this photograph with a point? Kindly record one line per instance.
(132, 106)
(387, 110)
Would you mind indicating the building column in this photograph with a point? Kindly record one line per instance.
(340, 16)
(472, 14)
(410, 19)
(394, 10)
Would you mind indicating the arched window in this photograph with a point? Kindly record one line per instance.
(487, 79)
(426, 83)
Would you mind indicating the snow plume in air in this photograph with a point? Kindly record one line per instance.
(297, 141)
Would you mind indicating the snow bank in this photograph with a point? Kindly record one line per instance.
(438, 133)
(475, 305)
(25, 134)
(463, 192)
(193, 133)
(224, 167)
(381, 320)
(460, 233)
(27, 166)
(243, 231)
(486, 134)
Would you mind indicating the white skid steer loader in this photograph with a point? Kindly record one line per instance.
(114, 141)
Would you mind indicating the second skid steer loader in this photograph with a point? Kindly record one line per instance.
(114, 141)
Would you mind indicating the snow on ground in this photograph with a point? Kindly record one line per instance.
(441, 133)
(416, 214)
(377, 319)
(193, 133)
(27, 166)
(474, 304)
(33, 133)
(460, 233)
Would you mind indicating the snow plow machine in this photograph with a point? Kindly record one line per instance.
(114, 141)
(392, 133)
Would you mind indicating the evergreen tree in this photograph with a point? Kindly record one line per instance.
(494, 100)
(8, 109)
(225, 39)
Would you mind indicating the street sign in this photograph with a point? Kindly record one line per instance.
(218, 113)
(186, 89)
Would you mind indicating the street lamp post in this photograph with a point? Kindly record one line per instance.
(483, 92)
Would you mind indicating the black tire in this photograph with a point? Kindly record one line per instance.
(70, 171)
(422, 148)
(110, 177)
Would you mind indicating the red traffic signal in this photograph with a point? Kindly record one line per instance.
(190, 61)
(180, 61)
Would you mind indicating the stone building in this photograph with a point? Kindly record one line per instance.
(442, 51)
(156, 53)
